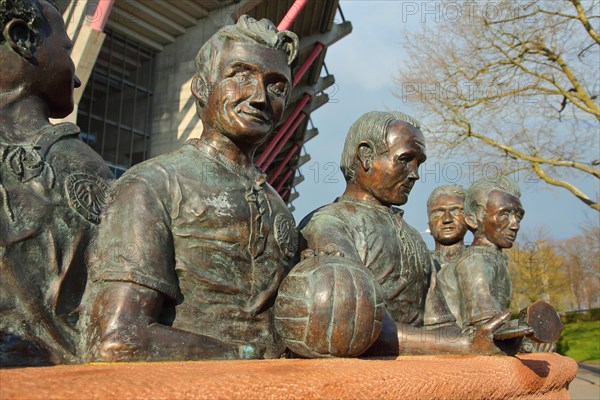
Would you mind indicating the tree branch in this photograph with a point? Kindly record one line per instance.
(535, 159)
(570, 187)
(584, 20)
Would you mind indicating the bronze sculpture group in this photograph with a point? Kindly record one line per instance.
(184, 256)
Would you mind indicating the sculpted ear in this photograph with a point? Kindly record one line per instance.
(471, 221)
(200, 89)
(365, 154)
(20, 38)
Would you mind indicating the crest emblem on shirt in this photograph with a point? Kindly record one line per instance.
(286, 235)
(87, 195)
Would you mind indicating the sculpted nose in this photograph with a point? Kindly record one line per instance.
(447, 217)
(259, 96)
(414, 171)
(514, 223)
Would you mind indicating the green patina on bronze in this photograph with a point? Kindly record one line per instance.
(195, 243)
(52, 190)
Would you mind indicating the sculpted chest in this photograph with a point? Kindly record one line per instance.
(44, 186)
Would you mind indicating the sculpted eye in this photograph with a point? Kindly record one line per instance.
(520, 216)
(279, 88)
(241, 76)
(402, 159)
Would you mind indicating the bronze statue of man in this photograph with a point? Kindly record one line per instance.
(482, 286)
(195, 243)
(380, 161)
(52, 187)
(446, 219)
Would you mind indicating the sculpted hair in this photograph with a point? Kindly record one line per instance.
(477, 194)
(246, 30)
(371, 127)
(449, 190)
(27, 10)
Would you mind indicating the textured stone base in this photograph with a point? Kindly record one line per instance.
(532, 376)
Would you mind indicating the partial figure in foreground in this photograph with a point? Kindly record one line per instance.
(363, 230)
(195, 243)
(52, 188)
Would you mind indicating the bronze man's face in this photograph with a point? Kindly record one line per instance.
(393, 173)
(249, 97)
(503, 214)
(56, 78)
(447, 219)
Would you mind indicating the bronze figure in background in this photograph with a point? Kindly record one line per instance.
(446, 218)
(195, 243)
(380, 161)
(52, 188)
(493, 213)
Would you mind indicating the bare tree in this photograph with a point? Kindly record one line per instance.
(516, 84)
(581, 256)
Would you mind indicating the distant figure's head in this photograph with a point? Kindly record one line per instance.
(243, 80)
(493, 211)
(381, 156)
(445, 211)
(35, 54)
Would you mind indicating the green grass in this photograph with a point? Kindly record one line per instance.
(581, 341)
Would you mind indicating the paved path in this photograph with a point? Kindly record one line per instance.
(586, 386)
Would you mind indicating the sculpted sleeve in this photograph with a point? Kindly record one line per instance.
(329, 233)
(475, 276)
(134, 243)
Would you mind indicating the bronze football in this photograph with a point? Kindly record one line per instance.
(329, 306)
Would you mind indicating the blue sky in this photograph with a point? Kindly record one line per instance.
(365, 64)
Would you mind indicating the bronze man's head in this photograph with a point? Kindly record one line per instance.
(243, 79)
(36, 54)
(445, 212)
(381, 156)
(493, 211)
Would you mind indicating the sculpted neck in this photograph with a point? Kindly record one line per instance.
(21, 117)
(450, 249)
(228, 148)
(481, 240)
(357, 192)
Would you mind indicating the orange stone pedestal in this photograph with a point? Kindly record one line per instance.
(532, 376)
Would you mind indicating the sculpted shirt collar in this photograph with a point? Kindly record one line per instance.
(391, 209)
(249, 171)
(491, 250)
